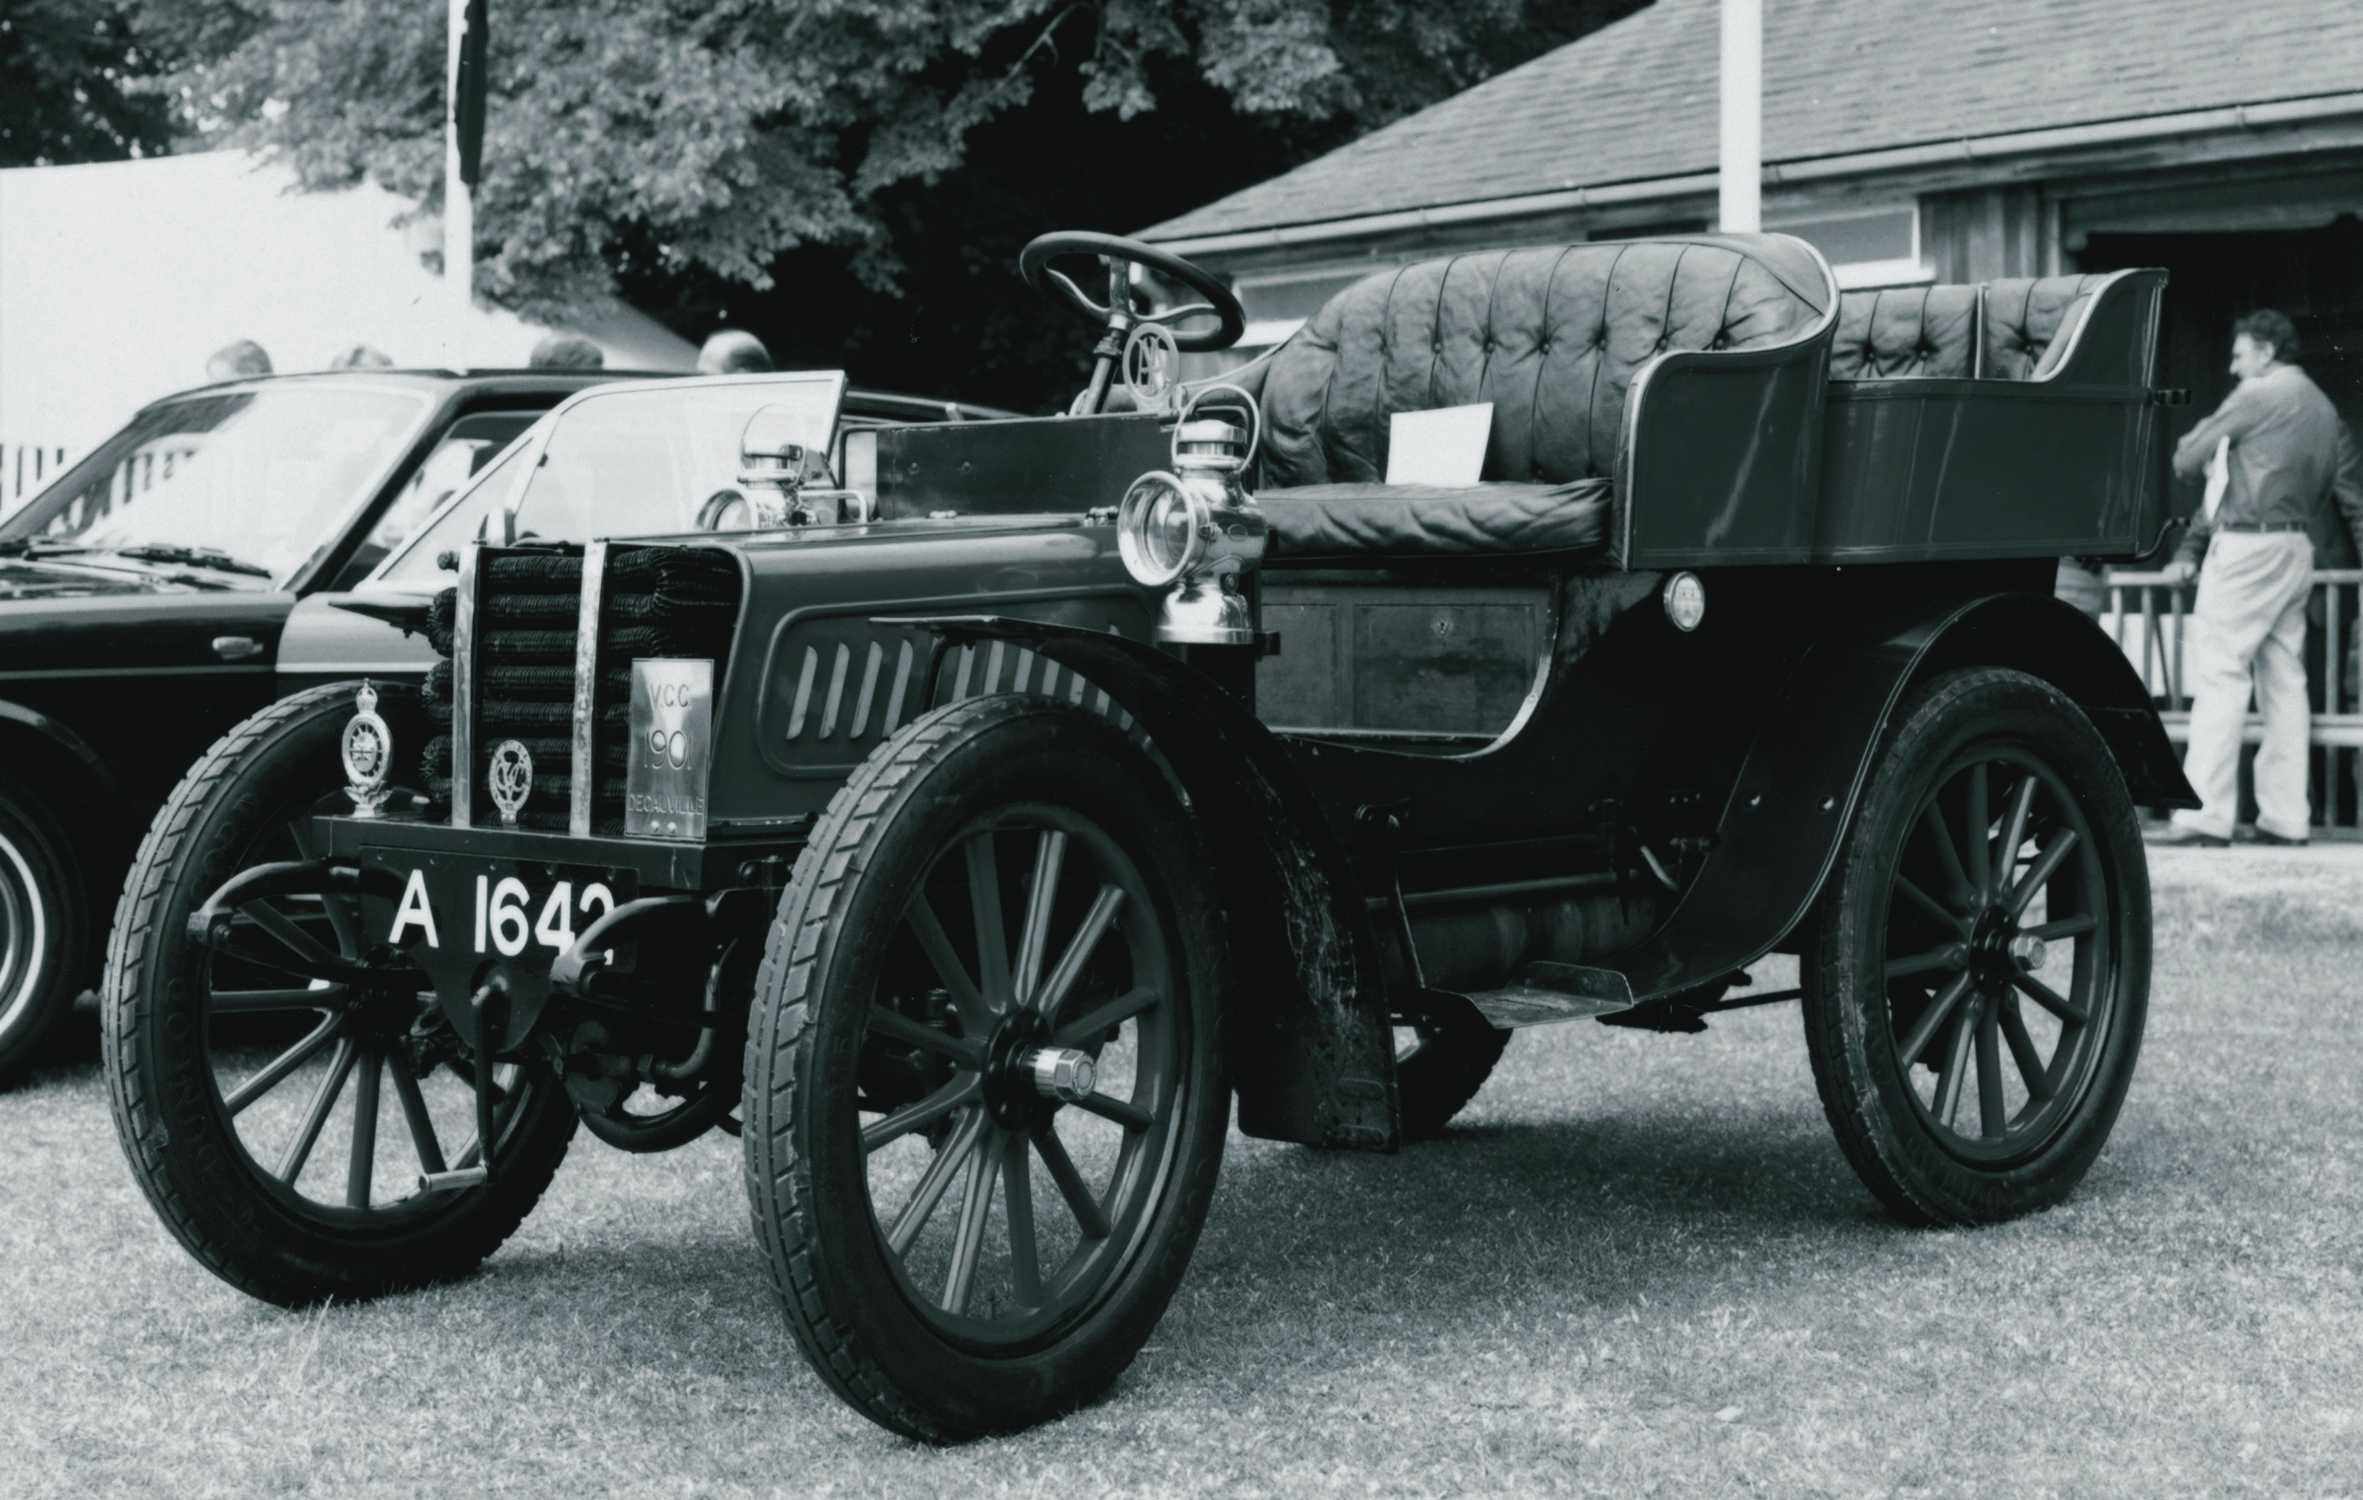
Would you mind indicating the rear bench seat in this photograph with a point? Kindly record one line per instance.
(1999, 330)
(1551, 336)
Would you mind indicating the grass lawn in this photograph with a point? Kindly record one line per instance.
(1640, 1266)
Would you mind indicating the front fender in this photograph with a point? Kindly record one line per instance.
(1796, 792)
(1310, 1046)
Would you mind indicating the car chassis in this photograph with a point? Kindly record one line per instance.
(1001, 810)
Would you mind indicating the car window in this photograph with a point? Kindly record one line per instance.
(468, 445)
(254, 477)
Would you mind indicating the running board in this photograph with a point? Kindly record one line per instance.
(1546, 992)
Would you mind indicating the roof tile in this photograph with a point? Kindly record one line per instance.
(1637, 99)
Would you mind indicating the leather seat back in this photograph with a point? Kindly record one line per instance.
(2028, 320)
(2015, 329)
(1551, 336)
(1899, 331)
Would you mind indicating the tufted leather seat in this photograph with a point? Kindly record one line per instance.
(2028, 321)
(1899, 331)
(1552, 336)
(2002, 330)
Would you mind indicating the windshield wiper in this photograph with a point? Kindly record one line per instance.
(37, 546)
(203, 557)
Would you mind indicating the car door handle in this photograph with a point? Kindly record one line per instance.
(236, 647)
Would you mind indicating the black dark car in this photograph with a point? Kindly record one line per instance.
(142, 598)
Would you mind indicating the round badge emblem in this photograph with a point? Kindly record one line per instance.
(368, 752)
(511, 779)
(1152, 362)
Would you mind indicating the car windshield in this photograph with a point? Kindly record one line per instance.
(244, 483)
(461, 520)
(643, 459)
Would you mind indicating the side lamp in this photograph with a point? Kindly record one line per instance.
(1194, 530)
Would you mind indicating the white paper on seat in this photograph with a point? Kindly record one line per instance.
(1443, 446)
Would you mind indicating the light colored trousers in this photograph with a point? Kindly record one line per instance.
(2251, 614)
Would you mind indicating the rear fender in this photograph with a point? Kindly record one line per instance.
(1310, 1046)
(1796, 792)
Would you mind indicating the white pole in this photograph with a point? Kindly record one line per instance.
(1740, 181)
(459, 212)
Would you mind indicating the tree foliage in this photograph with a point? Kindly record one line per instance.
(71, 85)
(724, 155)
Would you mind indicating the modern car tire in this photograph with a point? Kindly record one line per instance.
(1443, 1055)
(1995, 834)
(45, 939)
(1006, 775)
(160, 1023)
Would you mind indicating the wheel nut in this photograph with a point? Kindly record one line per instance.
(2026, 951)
(1060, 1072)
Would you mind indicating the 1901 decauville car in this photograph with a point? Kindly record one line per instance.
(971, 835)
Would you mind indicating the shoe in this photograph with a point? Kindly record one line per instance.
(2175, 836)
(2273, 840)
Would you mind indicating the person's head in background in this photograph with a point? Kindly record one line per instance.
(733, 351)
(2262, 340)
(237, 361)
(362, 357)
(566, 351)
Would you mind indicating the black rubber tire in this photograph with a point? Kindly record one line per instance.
(46, 893)
(1865, 1093)
(1454, 1054)
(183, 1150)
(811, 1209)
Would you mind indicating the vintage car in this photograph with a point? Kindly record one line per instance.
(971, 840)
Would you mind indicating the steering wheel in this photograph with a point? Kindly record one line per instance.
(1116, 314)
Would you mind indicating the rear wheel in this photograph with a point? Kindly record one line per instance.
(281, 1094)
(44, 926)
(985, 1103)
(1978, 973)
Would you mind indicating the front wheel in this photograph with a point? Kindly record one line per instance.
(985, 1101)
(282, 1094)
(1977, 974)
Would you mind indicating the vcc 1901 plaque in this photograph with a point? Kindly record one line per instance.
(672, 721)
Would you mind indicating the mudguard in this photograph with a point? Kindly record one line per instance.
(1796, 793)
(1310, 1046)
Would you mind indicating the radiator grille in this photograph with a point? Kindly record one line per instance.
(655, 601)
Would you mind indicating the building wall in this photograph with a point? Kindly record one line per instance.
(1987, 232)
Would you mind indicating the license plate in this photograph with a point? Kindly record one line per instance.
(521, 911)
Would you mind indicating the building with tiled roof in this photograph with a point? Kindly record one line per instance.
(1909, 141)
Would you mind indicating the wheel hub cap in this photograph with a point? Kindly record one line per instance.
(1062, 1073)
(1013, 1096)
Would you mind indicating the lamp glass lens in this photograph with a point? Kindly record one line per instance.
(1165, 537)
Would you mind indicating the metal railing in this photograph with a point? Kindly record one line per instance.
(2149, 617)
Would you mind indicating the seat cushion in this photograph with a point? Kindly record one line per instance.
(1337, 522)
(1551, 335)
